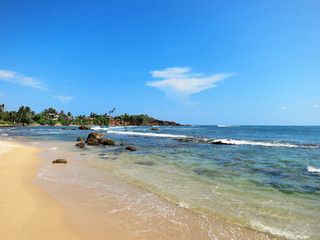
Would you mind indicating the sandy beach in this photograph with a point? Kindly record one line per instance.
(50, 208)
(27, 212)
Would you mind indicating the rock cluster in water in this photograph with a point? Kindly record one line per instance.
(95, 139)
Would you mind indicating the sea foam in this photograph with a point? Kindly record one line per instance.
(256, 143)
(148, 134)
(277, 231)
(313, 170)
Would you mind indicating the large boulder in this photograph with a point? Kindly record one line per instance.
(81, 145)
(64, 161)
(92, 141)
(94, 135)
(107, 141)
(84, 128)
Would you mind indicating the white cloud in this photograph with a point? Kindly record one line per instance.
(14, 77)
(282, 108)
(179, 82)
(316, 106)
(64, 99)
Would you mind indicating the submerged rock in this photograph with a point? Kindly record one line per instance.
(183, 139)
(81, 145)
(130, 148)
(146, 163)
(64, 161)
(222, 143)
(154, 129)
(122, 144)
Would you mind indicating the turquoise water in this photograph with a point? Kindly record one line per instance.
(268, 179)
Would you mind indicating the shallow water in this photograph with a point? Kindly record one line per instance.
(268, 180)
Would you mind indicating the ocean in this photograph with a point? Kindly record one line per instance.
(265, 178)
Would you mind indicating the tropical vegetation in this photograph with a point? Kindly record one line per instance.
(51, 117)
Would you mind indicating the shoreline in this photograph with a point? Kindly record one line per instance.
(27, 212)
(124, 210)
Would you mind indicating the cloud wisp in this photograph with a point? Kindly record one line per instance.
(316, 106)
(14, 77)
(282, 108)
(64, 99)
(179, 83)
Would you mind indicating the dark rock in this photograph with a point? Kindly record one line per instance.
(81, 145)
(146, 163)
(130, 148)
(80, 139)
(122, 144)
(154, 129)
(92, 141)
(84, 128)
(64, 161)
(107, 141)
(222, 143)
(183, 139)
(98, 136)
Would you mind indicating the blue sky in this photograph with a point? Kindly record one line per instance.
(196, 62)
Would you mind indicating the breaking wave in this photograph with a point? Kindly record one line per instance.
(148, 134)
(184, 138)
(313, 170)
(255, 143)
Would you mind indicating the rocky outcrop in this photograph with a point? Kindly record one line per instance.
(63, 161)
(84, 128)
(97, 138)
(81, 145)
(156, 122)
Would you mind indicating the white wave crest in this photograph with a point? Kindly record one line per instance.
(227, 126)
(148, 134)
(96, 128)
(279, 232)
(256, 143)
(313, 170)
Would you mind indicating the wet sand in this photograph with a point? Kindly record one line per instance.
(99, 203)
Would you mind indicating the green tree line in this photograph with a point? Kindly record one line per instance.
(51, 117)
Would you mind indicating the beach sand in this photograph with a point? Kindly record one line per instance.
(27, 212)
(59, 204)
